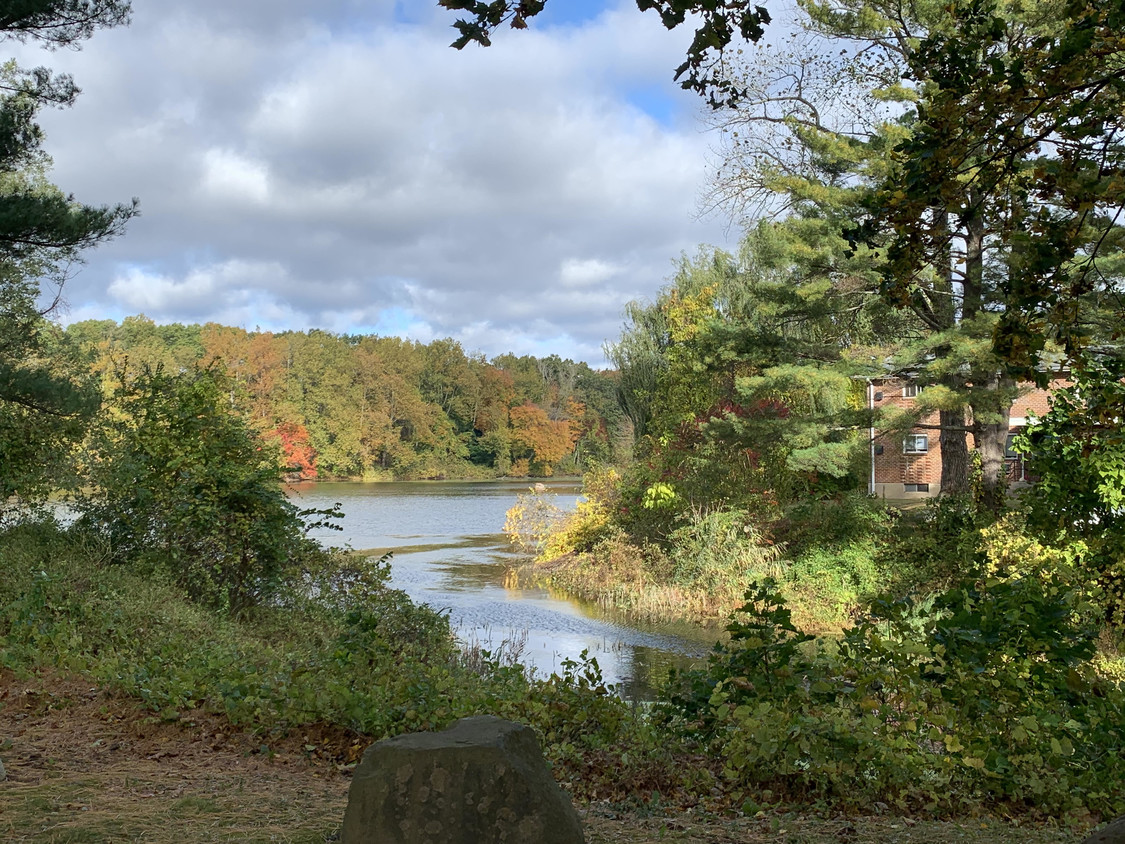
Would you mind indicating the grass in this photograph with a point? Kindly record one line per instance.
(86, 766)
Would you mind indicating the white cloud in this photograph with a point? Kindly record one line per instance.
(230, 177)
(203, 288)
(583, 273)
(321, 164)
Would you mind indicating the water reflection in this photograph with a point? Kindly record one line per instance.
(448, 553)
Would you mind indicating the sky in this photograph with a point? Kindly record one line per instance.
(333, 164)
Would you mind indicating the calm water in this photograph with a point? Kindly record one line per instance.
(449, 552)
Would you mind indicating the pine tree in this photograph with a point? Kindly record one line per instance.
(42, 234)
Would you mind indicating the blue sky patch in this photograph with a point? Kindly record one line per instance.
(394, 321)
(569, 12)
(658, 102)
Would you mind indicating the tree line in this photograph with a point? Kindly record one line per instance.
(363, 406)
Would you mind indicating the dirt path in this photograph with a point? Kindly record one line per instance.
(83, 766)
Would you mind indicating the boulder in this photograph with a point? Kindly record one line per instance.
(482, 781)
(1112, 834)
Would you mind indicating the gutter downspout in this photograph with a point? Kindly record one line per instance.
(871, 435)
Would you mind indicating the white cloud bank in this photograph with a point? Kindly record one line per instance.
(302, 166)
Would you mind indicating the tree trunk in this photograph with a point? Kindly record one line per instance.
(954, 453)
(991, 413)
(954, 443)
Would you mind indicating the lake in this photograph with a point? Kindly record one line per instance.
(449, 552)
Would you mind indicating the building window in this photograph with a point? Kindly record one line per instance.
(916, 444)
(916, 487)
(910, 391)
(1010, 452)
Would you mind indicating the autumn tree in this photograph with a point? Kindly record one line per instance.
(298, 457)
(539, 440)
(368, 406)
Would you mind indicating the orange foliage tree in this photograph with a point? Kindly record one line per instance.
(298, 457)
(539, 439)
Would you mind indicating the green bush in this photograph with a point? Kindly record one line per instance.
(343, 650)
(985, 695)
(719, 551)
(1076, 452)
(181, 487)
(831, 584)
(935, 545)
(848, 519)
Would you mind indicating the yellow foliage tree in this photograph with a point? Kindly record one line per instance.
(539, 439)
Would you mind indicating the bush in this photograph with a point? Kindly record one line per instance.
(592, 519)
(937, 544)
(986, 695)
(344, 652)
(830, 585)
(847, 520)
(1076, 452)
(720, 552)
(533, 520)
(183, 488)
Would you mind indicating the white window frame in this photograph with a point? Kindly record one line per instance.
(910, 391)
(910, 444)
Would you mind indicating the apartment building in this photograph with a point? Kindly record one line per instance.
(905, 467)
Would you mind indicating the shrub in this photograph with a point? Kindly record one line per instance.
(1076, 452)
(182, 487)
(592, 519)
(937, 544)
(720, 552)
(344, 651)
(533, 519)
(985, 695)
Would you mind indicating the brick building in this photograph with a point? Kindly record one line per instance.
(904, 467)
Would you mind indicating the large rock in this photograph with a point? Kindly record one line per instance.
(1112, 834)
(482, 781)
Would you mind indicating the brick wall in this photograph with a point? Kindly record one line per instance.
(894, 469)
(1035, 401)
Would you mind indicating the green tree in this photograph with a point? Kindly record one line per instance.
(46, 399)
(450, 382)
(1018, 141)
(42, 234)
(183, 487)
(325, 382)
(755, 394)
(640, 360)
(820, 133)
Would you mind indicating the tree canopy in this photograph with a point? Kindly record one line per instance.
(1017, 141)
